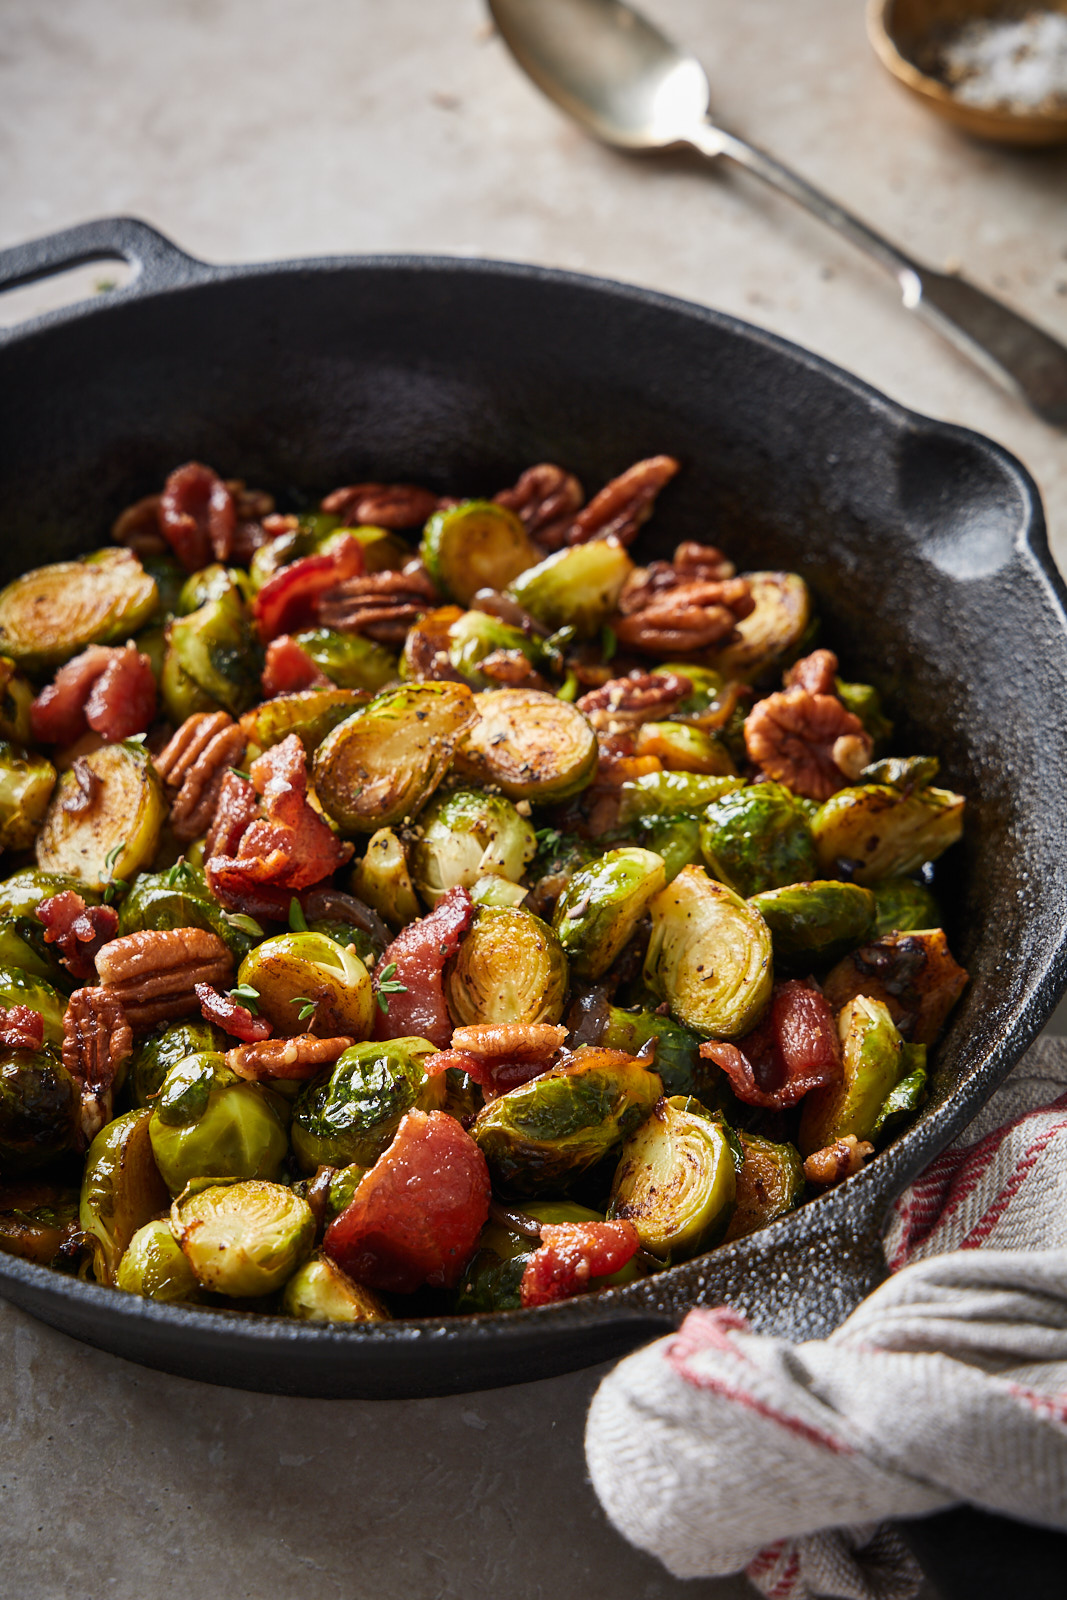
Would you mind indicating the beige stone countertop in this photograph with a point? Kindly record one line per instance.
(253, 129)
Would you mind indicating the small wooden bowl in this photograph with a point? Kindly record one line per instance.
(899, 29)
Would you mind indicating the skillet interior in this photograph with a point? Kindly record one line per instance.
(924, 546)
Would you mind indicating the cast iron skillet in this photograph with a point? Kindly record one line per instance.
(924, 545)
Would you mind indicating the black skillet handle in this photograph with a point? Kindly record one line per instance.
(157, 263)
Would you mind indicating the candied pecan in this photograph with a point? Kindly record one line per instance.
(237, 806)
(78, 930)
(500, 1056)
(808, 741)
(297, 1059)
(702, 561)
(383, 505)
(138, 527)
(96, 1040)
(382, 605)
(82, 798)
(626, 703)
(154, 973)
(623, 504)
(254, 519)
(197, 516)
(816, 673)
(289, 668)
(230, 1015)
(288, 600)
(545, 499)
(513, 670)
(21, 1028)
(194, 766)
(838, 1161)
(663, 611)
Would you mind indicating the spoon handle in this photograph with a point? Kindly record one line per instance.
(1010, 348)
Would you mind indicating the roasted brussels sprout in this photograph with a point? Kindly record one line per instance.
(315, 532)
(121, 1190)
(22, 893)
(16, 697)
(216, 647)
(772, 634)
(163, 1049)
(155, 1268)
(667, 794)
(320, 1292)
(530, 744)
(676, 1180)
(677, 1061)
(675, 839)
(26, 784)
(901, 904)
(383, 764)
(864, 702)
(509, 968)
(597, 913)
(310, 713)
(467, 835)
(757, 838)
(475, 635)
(871, 1058)
(48, 615)
(23, 946)
(39, 1221)
(169, 576)
(116, 834)
(816, 921)
(683, 748)
(180, 898)
(914, 974)
(709, 956)
(21, 988)
(208, 1123)
(476, 545)
(770, 1182)
(348, 659)
(207, 584)
(578, 587)
(382, 881)
(545, 1134)
(181, 695)
(876, 831)
(38, 1109)
(316, 969)
(245, 1238)
(351, 1114)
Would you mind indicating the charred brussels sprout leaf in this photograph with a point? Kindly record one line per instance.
(871, 1053)
(180, 898)
(245, 1238)
(315, 968)
(38, 1109)
(876, 831)
(154, 1267)
(310, 713)
(903, 772)
(816, 921)
(349, 660)
(352, 1114)
(603, 903)
(216, 648)
(510, 967)
(476, 545)
(23, 945)
(545, 1134)
(26, 784)
(757, 838)
(48, 615)
(121, 1190)
(676, 1180)
(382, 881)
(320, 1292)
(709, 956)
(163, 1050)
(666, 794)
(529, 744)
(905, 1098)
(770, 1183)
(467, 835)
(772, 634)
(116, 834)
(865, 702)
(207, 1123)
(901, 904)
(577, 588)
(676, 839)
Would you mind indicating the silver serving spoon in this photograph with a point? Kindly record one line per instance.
(617, 75)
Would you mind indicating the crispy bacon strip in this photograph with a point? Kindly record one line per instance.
(289, 669)
(287, 602)
(112, 692)
(21, 1028)
(237, 806)
(572, 1253)
(417, 956)
(227, 1014)
(80, 931)
(793, 1050)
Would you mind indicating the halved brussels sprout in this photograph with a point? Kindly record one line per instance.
(39, 1221)
(467, 835)
(914, 974)
(905, 1098)
(21, 988)
(816, 921)
(16, 697)
(709, 956)
(181, 695)
(864, 701)
(476, 545)
(901, 904)
(677, 1062)
(578, 587)
(770, 1183)
(245, 1238)
(26, 783)
(493, 1280)
(121, 1190)
(598, 911)
(316, 969)
(116, 834)
(510, 967)
(23, 945)
(548, 1132)
(351, 661)
(871, 1058)
(530, 744)
(48, 615)
(903, 772)
(676, 1180)
(38, 1109)
(352, 1112)
(875, 831)
(383, 764)
(309, 713)
(758, 838)
(676, 839)
(22, 893)
(383, 550)
(180, 898)
(208, 1123)
(771, 635)
(667, 794)
(475, 635)
(382, 881)
(217, 648)
(683, 748)
(162, 1050)
(155, 1268)
(207, 584)
(320, 1292)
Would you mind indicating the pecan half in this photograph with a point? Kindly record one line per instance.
(297, 1059)
(816, 673)
(253, 511)
(501, 1056)
(138, 527)
(193, 766)
(838, 1161)
(513, 670)
(623, 504)
(154, 974)
(96, 1039)
(383, 505)
(545, 500)
(808, 741)
(381, 606)
(625, 703)
(426, 651)
(671, 607)
(706, 562)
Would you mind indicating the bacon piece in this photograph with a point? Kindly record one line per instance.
(793, 1050)
(197, 516)
(57, 716)
(227, 1014)
(80, 931)
(236, 808)
(288, 600)
(417, 1213)
(570, 1254)
(296, 1059)
(289, 669)
(111, 691)
(418, 955)
(21, 1028)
